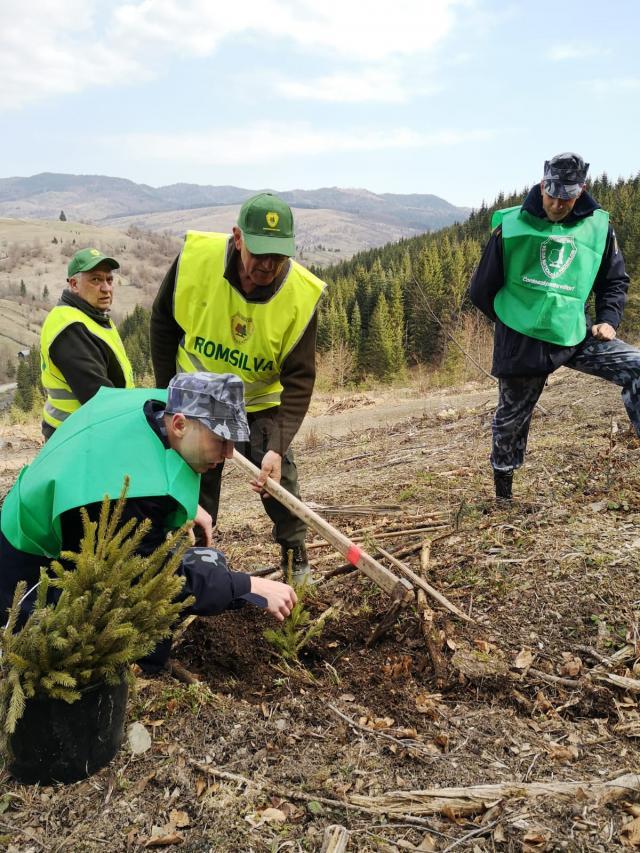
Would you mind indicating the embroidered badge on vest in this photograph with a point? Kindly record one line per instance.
(557, 254)
(241, 328)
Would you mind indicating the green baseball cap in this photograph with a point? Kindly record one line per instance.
(88, 259)
(266, 223)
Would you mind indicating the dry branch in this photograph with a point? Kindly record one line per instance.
(432, 639)
(417, 580)
(476, 798)
(291, 793)
(336, 839)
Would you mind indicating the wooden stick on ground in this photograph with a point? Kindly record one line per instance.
(475, 798)
(417, 580)
(291, 793)
(336, 839)
(432, 639)
(374, 570)
(427, 623)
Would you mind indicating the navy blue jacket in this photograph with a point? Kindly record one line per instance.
(515, 354)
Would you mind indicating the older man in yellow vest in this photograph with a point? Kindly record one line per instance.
(241, 304)
(81, 350)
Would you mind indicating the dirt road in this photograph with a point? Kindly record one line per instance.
(387, 410)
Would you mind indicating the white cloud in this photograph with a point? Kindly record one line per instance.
(612, 85)
(50, 47)
(370, 84)
(567, 51)
(264, 143)
(357, 29)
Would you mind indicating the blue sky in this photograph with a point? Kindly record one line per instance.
(461, 98)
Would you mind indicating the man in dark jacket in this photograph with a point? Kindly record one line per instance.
(536, 273)
(80, 347)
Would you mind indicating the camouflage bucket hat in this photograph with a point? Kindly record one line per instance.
(565, 175)
(216, 399)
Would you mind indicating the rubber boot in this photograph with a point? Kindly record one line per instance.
(504, 483)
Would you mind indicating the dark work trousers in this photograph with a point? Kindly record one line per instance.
(288, 530)
(614, 361)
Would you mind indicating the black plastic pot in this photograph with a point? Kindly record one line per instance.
(55, 741)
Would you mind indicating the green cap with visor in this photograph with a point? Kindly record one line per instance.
(88, 259)
(266, 223)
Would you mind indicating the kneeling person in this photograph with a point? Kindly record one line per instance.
(163, 440)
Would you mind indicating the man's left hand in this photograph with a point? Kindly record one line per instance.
(603, 332)
(271, 467)
(204, 521)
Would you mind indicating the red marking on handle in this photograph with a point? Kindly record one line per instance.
(353, 554)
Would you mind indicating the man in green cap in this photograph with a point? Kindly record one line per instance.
(241, 304)
(80, 347)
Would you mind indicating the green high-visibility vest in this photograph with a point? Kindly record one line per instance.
(88, 457)
(226, 333)
(61, 400)
(549, 270)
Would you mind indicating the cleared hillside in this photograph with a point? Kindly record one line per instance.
(322, 236)
(33, 261)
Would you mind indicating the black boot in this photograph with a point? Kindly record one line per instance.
(504, 482)
(300, 568)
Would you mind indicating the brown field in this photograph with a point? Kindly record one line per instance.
(261, 757)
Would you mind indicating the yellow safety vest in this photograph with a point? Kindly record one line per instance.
(226, 333)
(61, 401)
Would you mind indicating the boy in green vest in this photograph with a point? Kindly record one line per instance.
(80, 348)
(542, 262)
(163, 440)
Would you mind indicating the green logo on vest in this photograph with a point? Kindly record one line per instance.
(241, 328)
(557, 254)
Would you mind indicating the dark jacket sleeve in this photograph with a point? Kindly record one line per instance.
(83, 360)
(298, 376)
(207, 575)
(611, 284)
(165, 332)
(488, 276)
(214, 586)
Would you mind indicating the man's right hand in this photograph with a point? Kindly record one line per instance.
(603, 332)
(280, 597)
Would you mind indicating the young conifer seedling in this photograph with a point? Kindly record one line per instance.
(113, 607)
(298, 629)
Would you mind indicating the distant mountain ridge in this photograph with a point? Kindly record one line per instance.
(99, 198)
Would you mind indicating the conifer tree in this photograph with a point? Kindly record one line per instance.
(113, 607)
(355, 329)
(28, 387)
(134, 331)
(379, 356)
